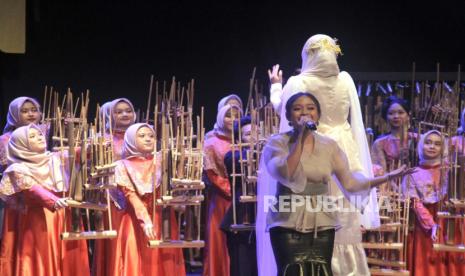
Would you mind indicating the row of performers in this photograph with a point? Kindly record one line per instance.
(300, 161)
(32, 190)
(33, 183)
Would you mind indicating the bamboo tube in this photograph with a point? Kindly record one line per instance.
(62, 157)
(49, 102)
(251, 87)
(44, 104)
(150, 99)
(181, 148)
(234, 175)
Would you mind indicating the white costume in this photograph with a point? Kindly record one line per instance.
(338, 99)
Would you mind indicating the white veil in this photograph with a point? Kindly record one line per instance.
(266, 187)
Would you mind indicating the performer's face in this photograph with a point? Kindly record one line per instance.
(29, 114)
(228, 119)
(397, 116)
(303, 107)
(36, 141)
(123, 115)
(145, 140)
(246, 133)
(432, 146)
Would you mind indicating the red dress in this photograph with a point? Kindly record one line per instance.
(105, 249)
(216, 258)
(426, 195)
(133, 256)
(38, 250)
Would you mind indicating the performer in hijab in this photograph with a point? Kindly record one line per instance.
(241, 244)
(122, 116)
(216, 259)
(118, 115)
(22, 111)
(427, 187)
(341, 120)
(231, 99)
(136, 176)
(303, 162)
(34, 184)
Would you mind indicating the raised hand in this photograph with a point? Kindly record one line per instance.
(275, 75)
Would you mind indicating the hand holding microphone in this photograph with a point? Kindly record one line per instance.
(310, 125)
(306, 123)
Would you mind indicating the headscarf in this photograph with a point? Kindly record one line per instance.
(113, 106)
(421, 143)
(319, 56)
(14, 110)
(129, 146)
(220, 118)
(105, 114)
(43, 168)
(140, 171)
(225, 100)
(19, 149)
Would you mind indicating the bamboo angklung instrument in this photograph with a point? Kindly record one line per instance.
(453, 206)
(84, 189)
(181, 164)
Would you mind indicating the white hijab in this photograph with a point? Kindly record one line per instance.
(421, 155)
(14, 110)
(319, 56)
(224, 101)
(220, 128)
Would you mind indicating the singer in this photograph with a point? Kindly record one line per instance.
(301, 162)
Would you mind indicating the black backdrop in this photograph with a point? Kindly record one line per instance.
(112, 47)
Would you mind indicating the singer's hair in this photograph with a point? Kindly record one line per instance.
(294, 98)
(388, 102)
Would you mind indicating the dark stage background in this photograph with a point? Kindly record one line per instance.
(112, 47)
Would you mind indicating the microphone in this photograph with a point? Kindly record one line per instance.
(310, 125)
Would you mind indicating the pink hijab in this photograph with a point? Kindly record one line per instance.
(33, 168)
(136, 171)
(14, 110)
(109, 112)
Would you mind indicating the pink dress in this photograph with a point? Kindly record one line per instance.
(426, 193)
(216, 258)
(386, 150)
